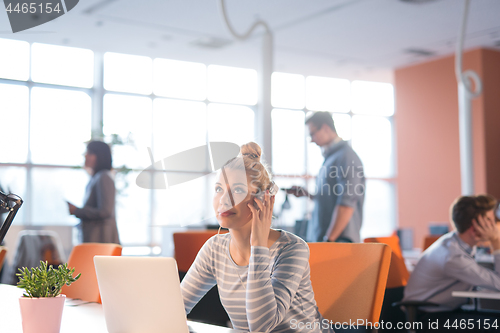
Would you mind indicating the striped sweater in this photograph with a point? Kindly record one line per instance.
(272, 294)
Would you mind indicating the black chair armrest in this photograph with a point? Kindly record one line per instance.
(411, 307)
(414, 303)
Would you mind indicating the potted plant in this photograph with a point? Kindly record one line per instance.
(42, 302)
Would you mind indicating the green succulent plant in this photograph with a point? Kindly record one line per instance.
(45, 281)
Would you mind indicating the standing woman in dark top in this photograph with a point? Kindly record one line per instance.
(97, 217)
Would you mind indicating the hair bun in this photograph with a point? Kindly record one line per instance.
(251, 150)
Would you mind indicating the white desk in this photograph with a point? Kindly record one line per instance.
(85, 318)
(483, 300)
(477, 294)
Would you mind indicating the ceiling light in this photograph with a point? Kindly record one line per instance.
(211, 42)
(418, 2)
(420, 52)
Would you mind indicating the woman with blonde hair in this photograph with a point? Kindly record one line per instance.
(262, 274)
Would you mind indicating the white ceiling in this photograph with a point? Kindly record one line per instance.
(365, 39)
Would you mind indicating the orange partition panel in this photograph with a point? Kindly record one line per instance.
(82, 259)
(398, 273)
(187, 244)
(349, 279)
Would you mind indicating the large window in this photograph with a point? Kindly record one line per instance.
(66, 66)
(14, 64)
(362, 116)
(59, 125)
(156, 108)
(164, 105)
(14, 106)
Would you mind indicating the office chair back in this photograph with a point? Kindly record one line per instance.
(34, 246)
(3, 253)
(82, 259)
(349, 279)
(187, 244)
(429, 240)
(398, 273)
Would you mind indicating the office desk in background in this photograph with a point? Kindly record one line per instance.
(483, 300)
(412, 256)
(84, 318)
(477, 294)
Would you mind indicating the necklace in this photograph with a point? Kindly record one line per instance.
(236, 267)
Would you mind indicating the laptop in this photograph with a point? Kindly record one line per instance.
(140, 294)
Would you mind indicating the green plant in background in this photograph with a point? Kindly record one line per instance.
(45, 281)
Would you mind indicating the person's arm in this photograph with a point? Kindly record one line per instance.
(340, 218)
(105, 192)
(353, 181)
(299, 192)
(465, 268)
(487, 230)
(200, 277)
(271, 290)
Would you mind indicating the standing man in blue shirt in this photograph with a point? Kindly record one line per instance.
(340, 186)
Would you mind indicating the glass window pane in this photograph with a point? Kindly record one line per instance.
(14, 107)
(372, 140)
(13, 180)
(128, 73)
(52, 187)
(129, 117)
(315, 159)
(288, 91)
(180, 79)
(343, 125)
(288, 142)
(177, 126)
(327, 94)
(232, 85)
(189, 203)
(14, 59)
(132, 210)
(230, 123)
(69, 66)
(379, 213)
(60, 126)
(372, 98)
(295, 209)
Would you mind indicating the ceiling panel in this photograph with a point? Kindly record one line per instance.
(337, 35)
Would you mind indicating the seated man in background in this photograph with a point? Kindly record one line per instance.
(449, 265)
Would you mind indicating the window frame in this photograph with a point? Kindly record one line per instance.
(97, 93)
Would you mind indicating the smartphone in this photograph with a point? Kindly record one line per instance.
(273, 189)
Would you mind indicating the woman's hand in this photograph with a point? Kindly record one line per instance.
(261, 220)
(71, 208)
(298, 191)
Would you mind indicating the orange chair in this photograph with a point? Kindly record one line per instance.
(429, 240)
(187, 244)
(349, 279)
(82, 259)
(398, 273)
(396, 281)
(3, 252)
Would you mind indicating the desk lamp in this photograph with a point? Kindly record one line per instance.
(8, 203)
